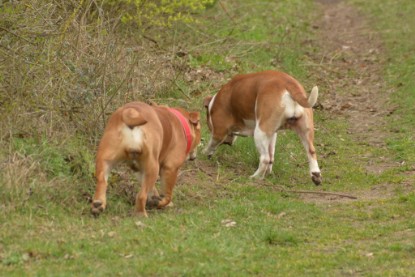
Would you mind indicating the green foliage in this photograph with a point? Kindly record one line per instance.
(161, 13)
(279, 238)
(397, 32)
(57, 160)
(214, 61)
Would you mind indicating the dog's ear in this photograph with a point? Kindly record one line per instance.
(194, 117)
(207, 101)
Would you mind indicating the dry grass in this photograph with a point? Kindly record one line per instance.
(64, 69)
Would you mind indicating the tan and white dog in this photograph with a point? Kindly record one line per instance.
(154, 140)
(259, 104)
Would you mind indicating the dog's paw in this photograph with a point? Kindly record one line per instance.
(257, 176)
(192, 156)
(97, 207)
(208, 152)
(317, 178)
(141, 214)
(153, 202)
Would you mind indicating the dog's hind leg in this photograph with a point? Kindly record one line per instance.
(149, 178)
(268, 121)
(99, 201)
(168, 178)
(271, 152)
(153, 198)
(262, 142)
(305, 129)
(108, 155)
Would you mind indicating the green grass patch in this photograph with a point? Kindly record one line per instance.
(222, 223)
(394, 21)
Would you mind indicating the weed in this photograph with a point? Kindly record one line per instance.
(279, 238)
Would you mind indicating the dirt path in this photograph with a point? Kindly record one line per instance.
(351, 55)
(350, 63)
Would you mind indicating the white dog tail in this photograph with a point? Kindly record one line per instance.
(299, 95)
(312, 99)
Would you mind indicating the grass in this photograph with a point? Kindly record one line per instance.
(399, 71)
(222, 223)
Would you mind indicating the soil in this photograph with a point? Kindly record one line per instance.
(350, 63)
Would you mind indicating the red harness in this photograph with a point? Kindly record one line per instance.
(186, 127)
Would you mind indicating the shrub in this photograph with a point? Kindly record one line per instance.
(158, 13)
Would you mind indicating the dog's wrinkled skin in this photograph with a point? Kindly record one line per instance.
(258, 105)
(151, 139)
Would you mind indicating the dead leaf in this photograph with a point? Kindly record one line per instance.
(140, 224)
(228, 223)
(369, 255)
(281, 215)
(25, 257)
(346, 106)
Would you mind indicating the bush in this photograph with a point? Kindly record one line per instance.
(67, 65)
(158, 13)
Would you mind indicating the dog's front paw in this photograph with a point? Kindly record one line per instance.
(317, 178)
(98, 207)
(208, 152)
(257, 176)
(192, 156)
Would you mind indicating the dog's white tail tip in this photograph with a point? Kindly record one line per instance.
(312, 100)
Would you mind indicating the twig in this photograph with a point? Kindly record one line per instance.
(10, 32)
(233, 20)
(209, 175)
(280, 188)
(15, 55)
(68, 22)
(114, 92)
(181, 90)
(226, 11)
(103, 87)
(217, 176)
(152, 40)
(177, 85)
(321, 192)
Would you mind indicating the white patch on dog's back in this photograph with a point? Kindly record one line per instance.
(292, 108)
(132, 138)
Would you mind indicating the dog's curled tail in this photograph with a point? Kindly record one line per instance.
(131, 117)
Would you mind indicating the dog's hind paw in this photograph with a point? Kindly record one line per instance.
(153, 202)
(97, 207)
(317, 178)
